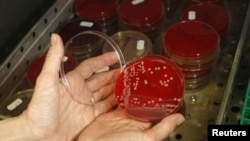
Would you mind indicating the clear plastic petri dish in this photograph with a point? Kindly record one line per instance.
(71, 28)
(150, 88)
(81, 39)
(133, 44)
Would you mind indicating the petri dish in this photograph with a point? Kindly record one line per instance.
(133, 44)
(16, 104)
(139, 17)
(191, 39)
(194, 47)
(71, 28)
(81, 39)
(150, 88)
(101, 11)
(96, 9)
(212, 14)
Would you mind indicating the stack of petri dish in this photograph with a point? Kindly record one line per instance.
(77, 48)
(102, 11)
(133, 44)
(212, 14)
(143, 16)
(194, 46)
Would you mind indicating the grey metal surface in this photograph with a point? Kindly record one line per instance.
(219, 102)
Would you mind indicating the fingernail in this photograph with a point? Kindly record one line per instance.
(180, 120)
(53, 39)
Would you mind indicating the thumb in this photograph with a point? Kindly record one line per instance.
(166, 126)
(53, 60)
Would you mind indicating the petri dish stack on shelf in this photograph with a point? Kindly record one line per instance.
(194, 46)
(143, 16)
(102, 11)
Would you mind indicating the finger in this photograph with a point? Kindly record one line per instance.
(166, 126)
(101, 79)
(105, 105)
(103, 92)
(53, 61)
(89, 66)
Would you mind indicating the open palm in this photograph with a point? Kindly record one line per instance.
(54, 113)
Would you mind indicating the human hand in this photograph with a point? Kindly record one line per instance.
(116, 125)
(52, 113)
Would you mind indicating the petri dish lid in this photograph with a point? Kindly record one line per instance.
(191, 39)
(75, 26)
(150, 88)
(145, 13)
(212, 14)
(133, 44)
(88, 98)
(96, 9)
